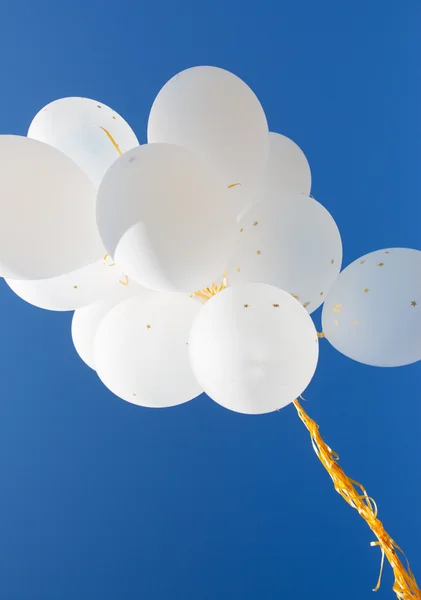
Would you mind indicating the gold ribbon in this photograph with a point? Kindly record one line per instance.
(106, 259)
(112, 140)
(215, 288)
(405, 585)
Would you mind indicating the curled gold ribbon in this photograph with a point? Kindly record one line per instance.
(405, 585)
(107, 262)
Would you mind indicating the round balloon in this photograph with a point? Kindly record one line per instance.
(294, 245)
(72, 291)
(287, 168)
(253, 348)
(214, 113)
(141, 351)
(164, 216)
(86, 320)
(373, 311)
(89, 132)
(48, 225)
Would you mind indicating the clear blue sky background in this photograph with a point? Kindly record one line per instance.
(104, 500)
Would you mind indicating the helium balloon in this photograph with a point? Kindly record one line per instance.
(48, 226)
(69, 292)
(89, 132)
(294, 245)
(373, 311)
(253, 348)
(86, 320)
(164, 216)
(214, 113)
(287, 169)
(141, 351)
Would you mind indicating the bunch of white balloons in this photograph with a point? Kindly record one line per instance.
(130, 237)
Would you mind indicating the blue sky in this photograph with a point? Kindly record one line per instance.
(102, 499)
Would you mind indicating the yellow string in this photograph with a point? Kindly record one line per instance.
(405, 585)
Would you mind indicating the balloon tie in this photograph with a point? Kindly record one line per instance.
(321, 334)
(405, 585)
(207, 293)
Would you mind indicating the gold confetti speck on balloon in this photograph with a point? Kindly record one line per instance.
(387, 252)
(306, 304)
(125, 282)
(337, 308)
(362, 262)
(275, 305)
(113, 117)
(381, 264)
(255, 223)
(233, 185)
(238, 269)
(75, 287)
(295, 296)
(148, 326)
(355, 322)
(366, 290)
(332, 261)
(321, 293)
(259, 252)
(99, 106)
(241, 230)
(414, 303)
(336, 322)
(246, 305)
(134, 394)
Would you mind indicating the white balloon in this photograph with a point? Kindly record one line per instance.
(294, 245)
(166, 218)
(287, 168)
(373, 311)
(141, 351)
(48, 226)
(214, 113)
(69, 292)
(253, 348)
(89, 132)
(86, 320)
